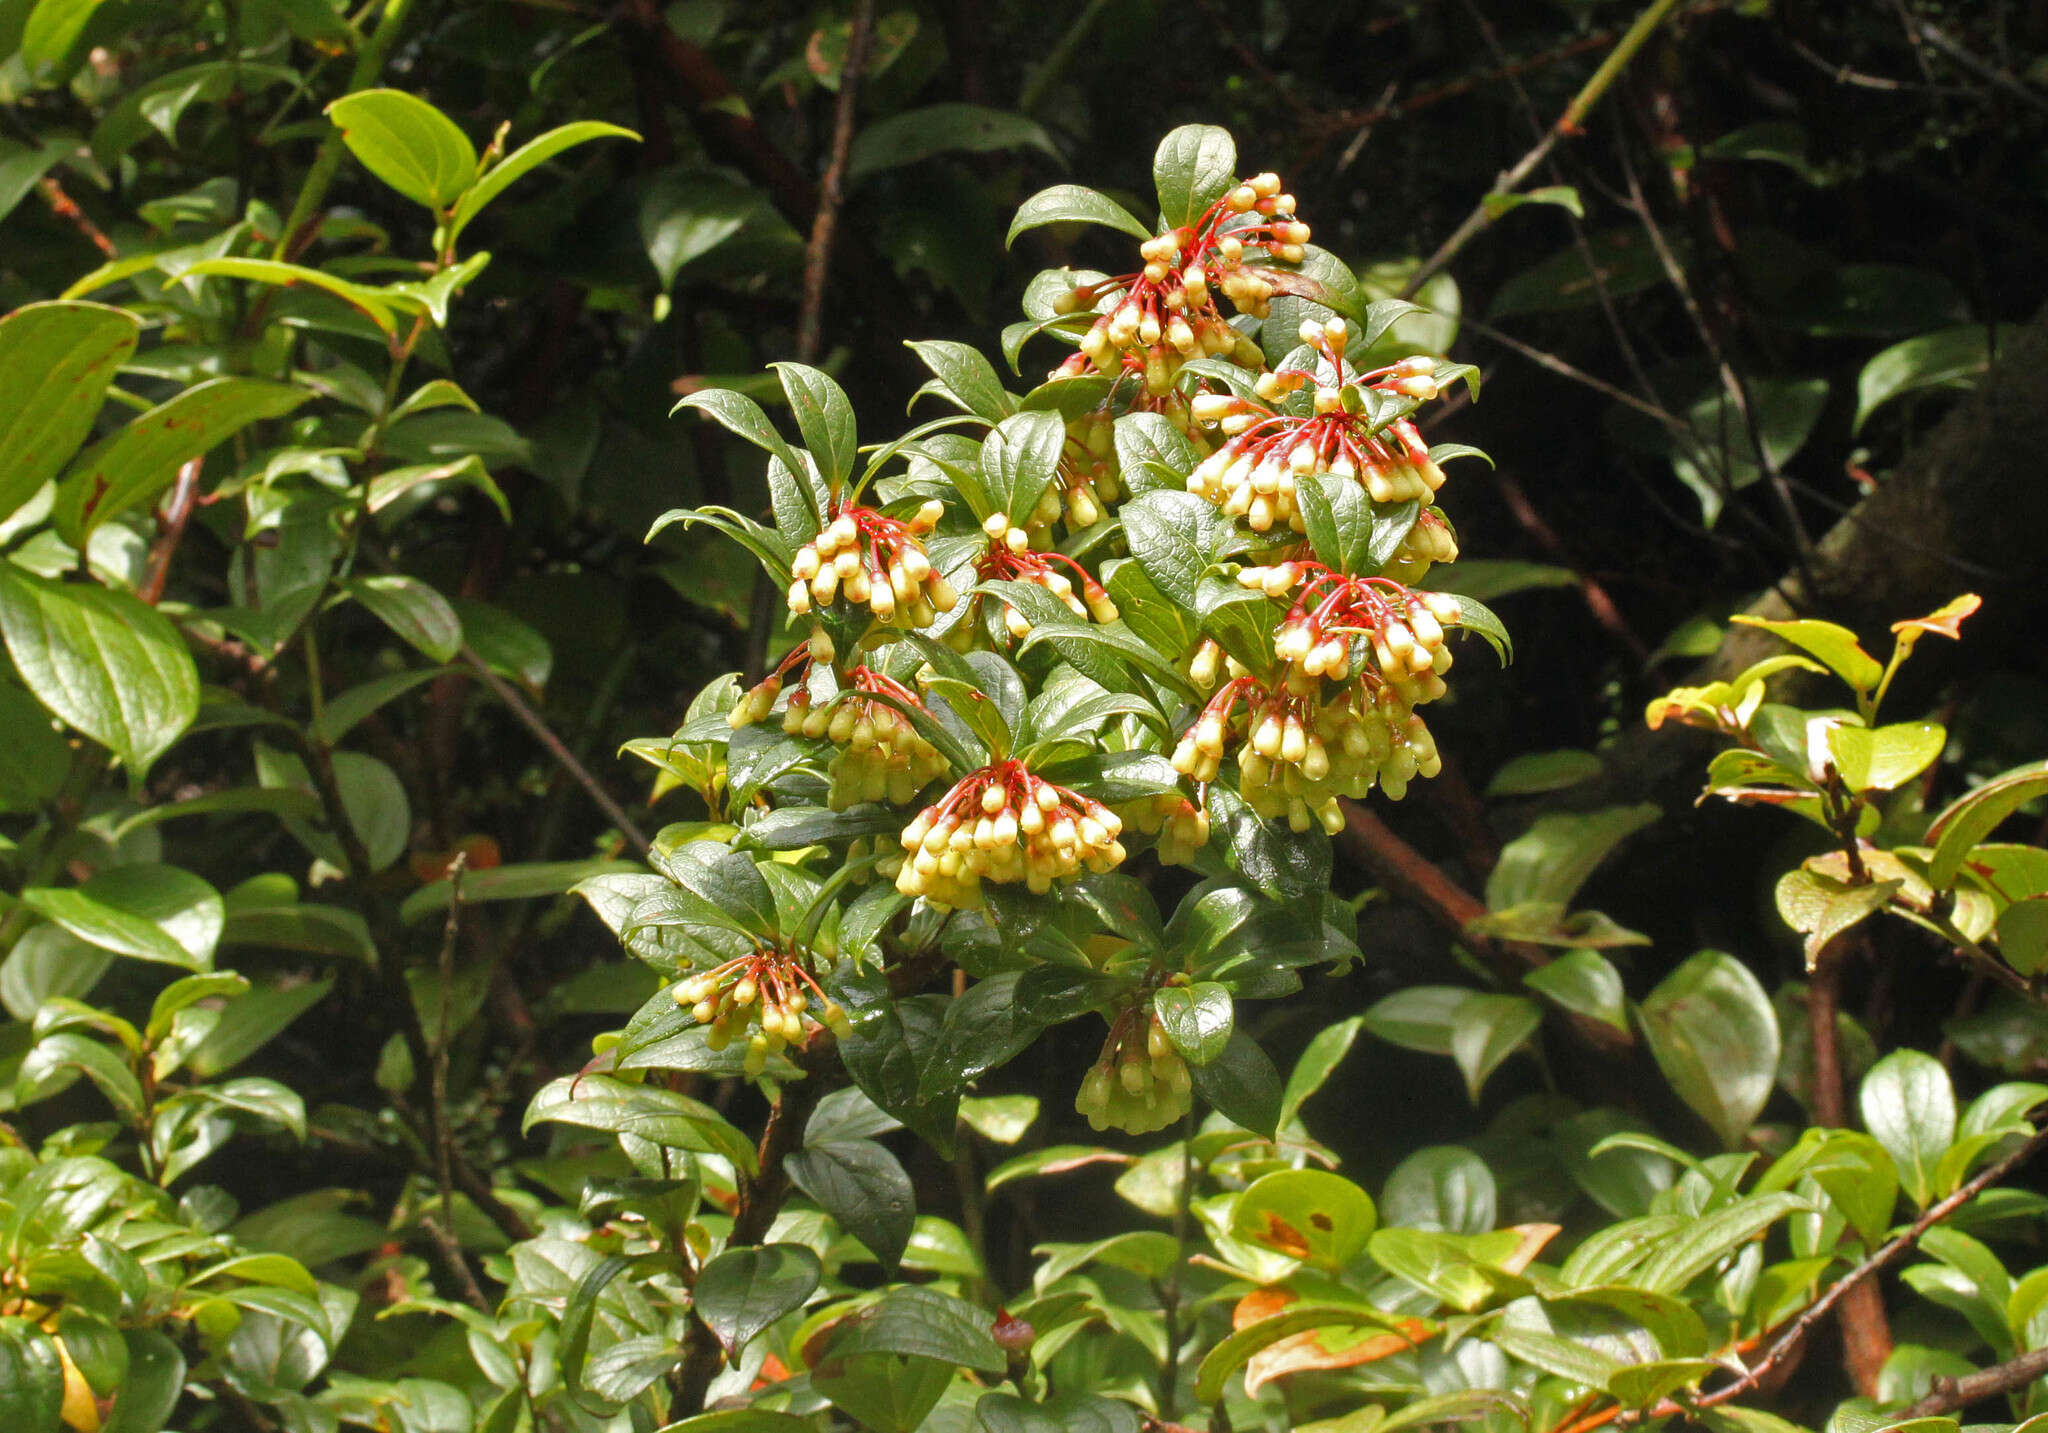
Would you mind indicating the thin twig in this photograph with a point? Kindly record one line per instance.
(66, 208)
(505, 692)
(1591, 591)
(832, 188)
(1883, 1259)
(1571, 122)
(171, 531)
(451, 1253)
(1949, 1395)
(444, 1135)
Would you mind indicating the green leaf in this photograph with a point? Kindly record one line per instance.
(1623, 262)
(1197, 1018)
(824, 416)
(1071, 1413)
(1445, 1189)
(520, 881)
(1019, 459)
(912, 1321)
(134, 463)
(68, 1050)
(1420, 1017)
(1971, 818)
(1242, 1084)
(740, 1420)
(743, 1291)
(914, 134)
(984, 1029)
(151, 912)
(372, 302)
(1585, 983)
(1194, 166)
(1888, 757)
(1556, 855)
(56, 360)
(1836, 647)
(408, 144)
(152, 1386)
(47, 962)
(741, 415)
(31, 1377)
(1908, 1103)
(1486, 1030)
(1338, 515)
(1317, 1063)
(1236, 1351)
(1852, 1169)
(522, 161)
(644, 1111)
(1703, 1243)
(2023, 935)
(1712, 1030)
(1308, 1214)
(961, 374)
(861, 1185)
(1820, 907)
(391, 485)
(1071, 203)
(413, 611)
(253, 1021)
(1542, 771)
(1562, 196)
(1569, 1359)
(1947, 358)
(1642, 1384)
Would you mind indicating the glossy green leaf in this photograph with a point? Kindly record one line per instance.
(1889, 756)
(644, 1111)
(1820, 907)
(1197, 1018)
(742, 1291)
(1445, 1189)
(1909, 1104)
(1971, 818)
(56, 359)
(413, 611)
(136, 462)
(1486, 1030)
(913, 1321)
(825, 418)
(1559, 852)
(1584, 982)
(861, 1185)
(1194, 166)
(914, 134)
(1714, 1035)
(1836, 647)
(1242, 1084)
(408, 144)
(523, 161)
(1946, 358)
(31, 1377)
(1071, 203)
(151, 912)
(374, 304)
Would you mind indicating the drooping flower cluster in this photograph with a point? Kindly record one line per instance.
(1267, 451)
(1003, 825)
(873, 561)
(881, 756)
(1139, 1083)
(767, 997)
(1181, 825)
(1011, 558)
(1359, 655)
(1166, 313)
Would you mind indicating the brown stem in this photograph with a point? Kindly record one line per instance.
(457, 1263)
(1415, 878)
(171, 531)
(1948, 1395)
(1883, 1259)
(444, 1135)
(832, 189)
(1866, 1330)
(66, 208)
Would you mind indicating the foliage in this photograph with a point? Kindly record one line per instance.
(366, 1065)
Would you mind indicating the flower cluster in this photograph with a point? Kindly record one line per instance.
(1139, 1083)
(1182, 827)
(873, 561)
(1011, 558)
(1429, 542)
(1358, 656)
(1002, 824)
(881, 757)
(1166, 313)
(1267, 452)
(763, 996)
